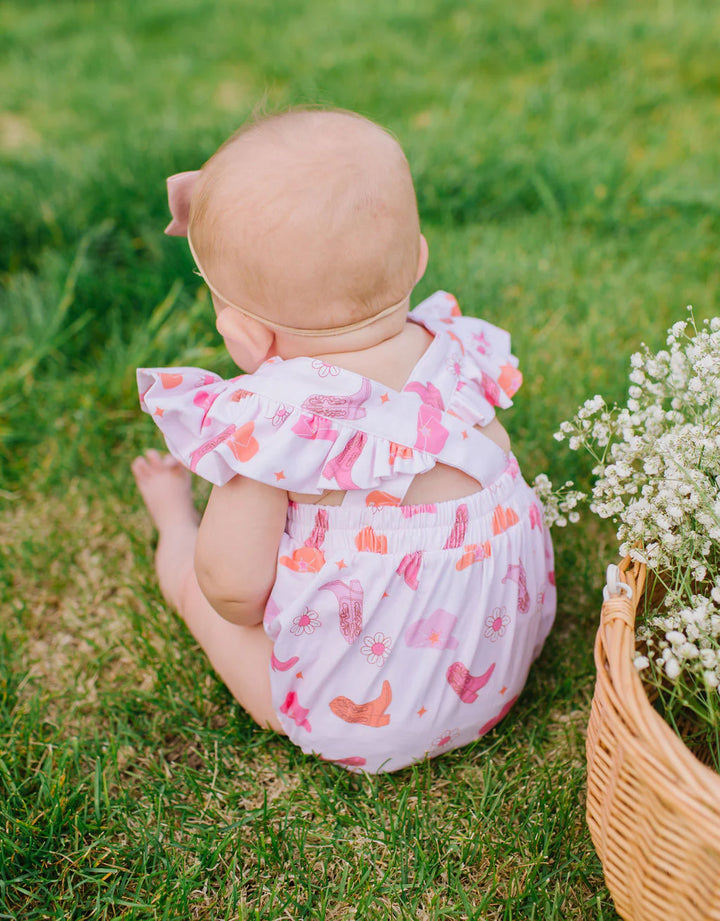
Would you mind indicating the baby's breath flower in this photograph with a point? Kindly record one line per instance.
(672, 668)
(657, 476)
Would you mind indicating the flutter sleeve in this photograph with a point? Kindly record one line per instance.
(479, 356)
(308, 443)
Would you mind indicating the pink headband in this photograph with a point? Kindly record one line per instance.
(180, 188)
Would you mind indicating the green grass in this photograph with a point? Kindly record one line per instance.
(565, 161)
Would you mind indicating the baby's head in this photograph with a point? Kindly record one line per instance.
(308, 219)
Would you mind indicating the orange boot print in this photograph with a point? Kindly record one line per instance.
(370, 714)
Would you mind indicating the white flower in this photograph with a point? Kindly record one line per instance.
(672, 668)
(324, 369)
(376, 648)
(307, 622)
(657, 476)
(496, 624)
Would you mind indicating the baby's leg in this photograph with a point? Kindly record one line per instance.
(240, 655)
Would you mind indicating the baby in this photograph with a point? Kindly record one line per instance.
(372, 576)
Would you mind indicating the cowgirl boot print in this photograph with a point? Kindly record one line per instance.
(278, 665)
(491, 724)
(457, 535)
(371, 713)
(338, 407)
(210, 445)
(317, 535)
(428, 393)
(350, 607)
(291, 708)
(466, 685)
(340, 467)
(314, 427)
(409, 568)
(516, 573)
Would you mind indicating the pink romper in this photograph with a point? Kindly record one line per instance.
(400, 632)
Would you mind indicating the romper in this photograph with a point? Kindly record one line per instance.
(400, 631)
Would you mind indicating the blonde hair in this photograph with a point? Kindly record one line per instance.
(313, 207)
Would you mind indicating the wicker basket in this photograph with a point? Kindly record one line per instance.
(653, 809)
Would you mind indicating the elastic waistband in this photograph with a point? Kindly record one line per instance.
(455, 522)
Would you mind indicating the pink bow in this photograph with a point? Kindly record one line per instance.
(179, 190)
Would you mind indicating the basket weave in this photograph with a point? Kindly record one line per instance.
(653, 809)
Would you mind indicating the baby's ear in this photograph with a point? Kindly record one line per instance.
(179, 191)
(247, 340)
(422, 259)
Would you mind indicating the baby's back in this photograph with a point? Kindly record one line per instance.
(391, 363)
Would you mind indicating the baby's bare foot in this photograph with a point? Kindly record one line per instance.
(165, 486)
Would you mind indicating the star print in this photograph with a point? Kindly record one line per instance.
(465, 434)
(434, 637)
(384, 398)
(299, 675)
(341, 564)
(422, 711)
(159, 412)
(385, 595)
(280, 475)
(503, 689)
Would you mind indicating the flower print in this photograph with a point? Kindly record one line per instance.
(445, 738)
(324, 369)
(307, 622)
(281, 414)
(376, 648)
(454, 366)
(496, 624)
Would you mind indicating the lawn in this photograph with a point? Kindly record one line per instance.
(565, 157)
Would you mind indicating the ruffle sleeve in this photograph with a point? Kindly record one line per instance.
(479, 373)
(219, 428)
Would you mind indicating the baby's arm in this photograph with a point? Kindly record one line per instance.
(237, 548)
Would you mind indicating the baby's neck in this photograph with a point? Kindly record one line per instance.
(372, 336)
(390, 361)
